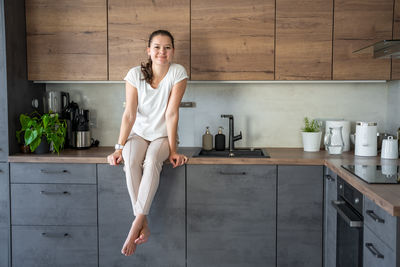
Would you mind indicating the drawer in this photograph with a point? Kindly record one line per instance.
(375, 252)
(59, 246)
(380, 222)
(53, 173)
(4, 195)
(53, 204)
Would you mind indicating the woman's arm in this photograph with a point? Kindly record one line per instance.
(172, 117)
(128, 119)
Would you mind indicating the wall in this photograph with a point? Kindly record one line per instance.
(393, 107)
(268, 114)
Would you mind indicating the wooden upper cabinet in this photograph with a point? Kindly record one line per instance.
(66, 40)
(232, 39)
(359, 23)
(303, 40)
(130, 22)
(396, 35)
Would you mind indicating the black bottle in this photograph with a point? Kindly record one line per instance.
(220, 140)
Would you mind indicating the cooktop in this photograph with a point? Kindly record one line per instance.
(375, 174)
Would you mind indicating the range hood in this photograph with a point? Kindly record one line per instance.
(382, 49)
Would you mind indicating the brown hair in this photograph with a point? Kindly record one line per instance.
(146, 67)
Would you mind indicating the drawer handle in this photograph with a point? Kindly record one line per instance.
(1, 170)
(55, 193)
(53, 172)
(374, 251)
(232, 173)
(329, 178)
(375, 217)
(58, 235)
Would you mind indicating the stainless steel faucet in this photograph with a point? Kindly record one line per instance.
(232, 137)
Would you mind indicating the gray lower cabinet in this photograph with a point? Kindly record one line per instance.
(231, 215)
(53, 214)
(166, 245)
(61, 246)
(4, 215)
(381, 237)
(330, 219)
(4, 246)
(300, 216)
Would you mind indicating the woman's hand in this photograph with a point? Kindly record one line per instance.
(177, 159)
(115, 158)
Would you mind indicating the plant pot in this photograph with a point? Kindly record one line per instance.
(311, 141)
(44, 147)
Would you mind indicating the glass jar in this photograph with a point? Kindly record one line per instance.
(334, 140)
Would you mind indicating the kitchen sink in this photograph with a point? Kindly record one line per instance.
(237, 153)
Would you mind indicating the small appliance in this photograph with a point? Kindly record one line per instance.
(55, 101)
(80, 130)
(366, 139)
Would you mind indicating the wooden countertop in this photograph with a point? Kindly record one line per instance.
(386, 196)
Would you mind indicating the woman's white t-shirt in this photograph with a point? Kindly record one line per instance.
(152, 103)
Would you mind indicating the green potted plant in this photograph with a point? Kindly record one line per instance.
(311, 133)
(39, 129)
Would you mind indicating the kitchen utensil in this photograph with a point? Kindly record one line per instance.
(81, 132)
(345, 131)
(390, 148)
(334, 141)
(366, 141)
(52, 102)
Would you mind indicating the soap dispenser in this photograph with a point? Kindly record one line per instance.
(207, 140)
(220, 140)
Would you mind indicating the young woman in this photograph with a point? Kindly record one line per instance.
(148, 133)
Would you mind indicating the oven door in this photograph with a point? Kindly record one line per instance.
(349, 243)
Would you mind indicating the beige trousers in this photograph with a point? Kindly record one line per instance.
(143, 163)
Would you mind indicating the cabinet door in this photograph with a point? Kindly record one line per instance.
(231, 215)
(131, 22)
(4, 246)
(359, 23)
(66, 40)
(376, 253)
(166, 245)
(303, 40)
(232, 40)
(4, 196)
(3, 89)
(396, 35)
(330, 219)
(299, 218)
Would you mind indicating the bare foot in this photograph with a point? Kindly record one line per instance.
(143, 235)
(129, 245)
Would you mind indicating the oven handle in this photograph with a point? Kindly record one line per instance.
(337, 205)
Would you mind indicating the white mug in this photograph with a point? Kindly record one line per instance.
(390, 148)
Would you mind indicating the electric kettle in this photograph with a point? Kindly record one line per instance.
(366, 139)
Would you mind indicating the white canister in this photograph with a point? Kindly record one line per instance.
(345, 131)
(390, 148)
(366, 139)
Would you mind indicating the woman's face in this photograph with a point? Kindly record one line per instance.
(161, 50)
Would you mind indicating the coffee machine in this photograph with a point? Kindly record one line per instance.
(80, 130)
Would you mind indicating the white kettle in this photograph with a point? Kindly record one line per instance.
(366, 139)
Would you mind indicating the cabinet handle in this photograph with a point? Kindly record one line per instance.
(329, 178)
(1, 171)
(55, 234)
(374, 251)
(232, 173)
(55, 193)
(375, 217)
(53, 172)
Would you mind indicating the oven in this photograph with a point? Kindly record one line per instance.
(349, 229)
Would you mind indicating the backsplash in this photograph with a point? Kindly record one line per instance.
(268, 114)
